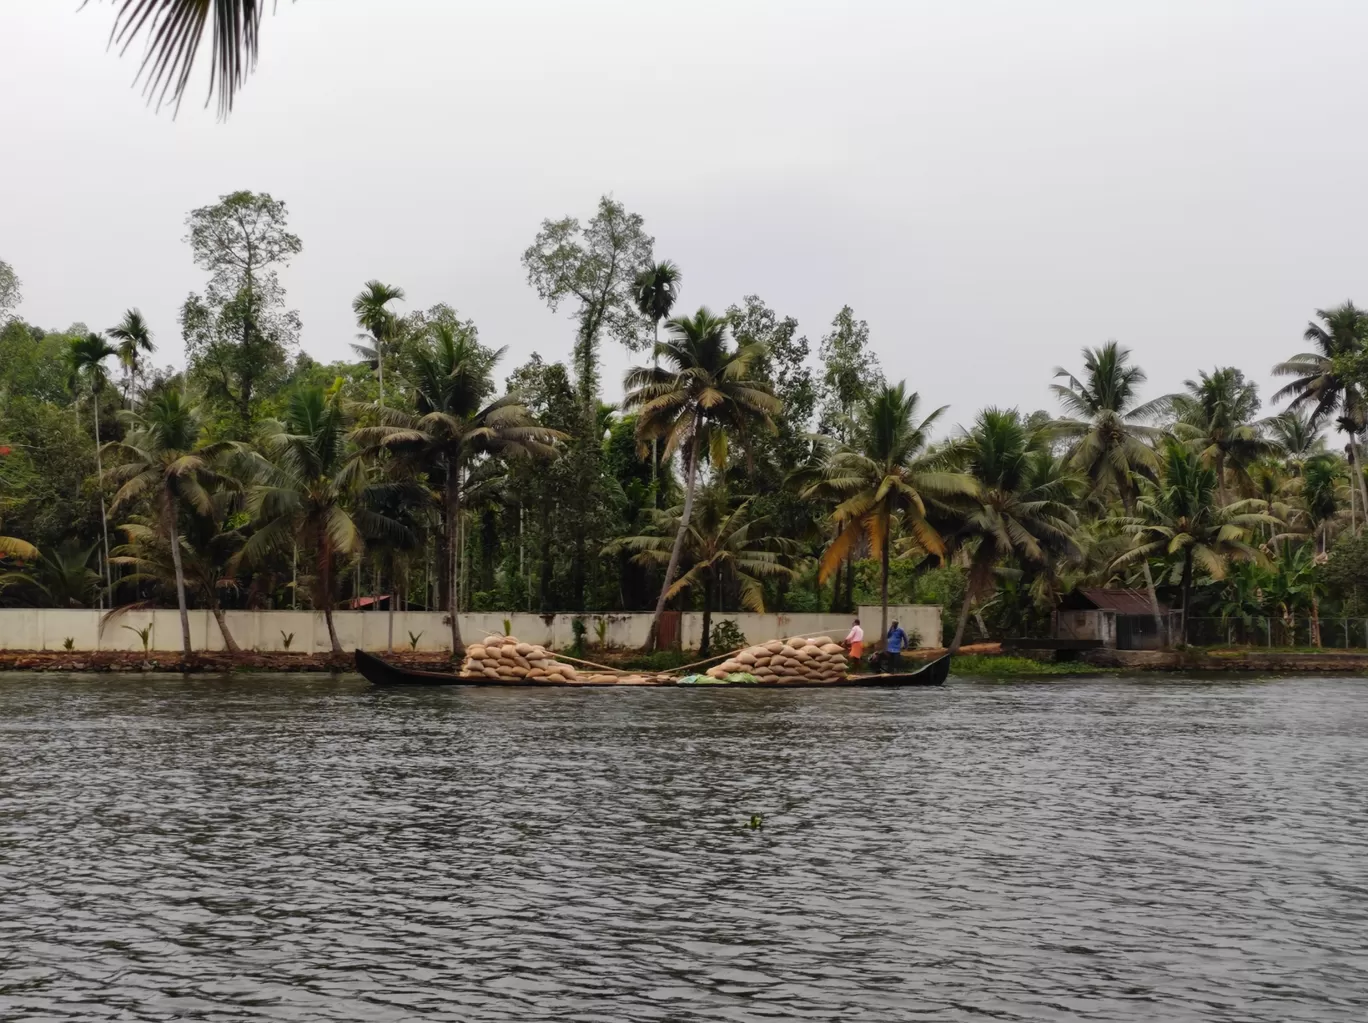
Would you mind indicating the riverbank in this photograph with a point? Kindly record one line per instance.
(979, 659)
(1232, 659)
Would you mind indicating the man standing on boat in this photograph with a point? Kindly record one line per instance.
(894, 645)
(854, 643)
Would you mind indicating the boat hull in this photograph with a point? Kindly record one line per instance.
(381, 673)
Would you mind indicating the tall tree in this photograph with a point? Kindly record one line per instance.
(11, 292)
(1022, 511)
(165, 460)
(886, 476)
(1216, 415)
(1179, 519)
(1112, 441)
(238, 334)
(135, 340)
(704, 394)
(308, 492)
(850, 372)
(380, 323)
(655, 291)
(596, 266)
(87, 358)
(1321, 384)
(1297, 436)
(452, 428)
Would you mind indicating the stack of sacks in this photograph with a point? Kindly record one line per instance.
(788, 660)
(504, 659)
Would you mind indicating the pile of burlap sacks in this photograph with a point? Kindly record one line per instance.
(788, 660)
(504, 659)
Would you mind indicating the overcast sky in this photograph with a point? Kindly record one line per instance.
(991, 185)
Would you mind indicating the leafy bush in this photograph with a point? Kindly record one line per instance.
(727, 635)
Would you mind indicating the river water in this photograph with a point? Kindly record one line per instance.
(296, 848)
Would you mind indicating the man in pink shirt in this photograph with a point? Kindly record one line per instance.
(854, 642)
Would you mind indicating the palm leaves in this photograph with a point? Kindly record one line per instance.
(306, 490)
(164, 461)
(886, 475)
(452, 428)
(373, 315)
(728, 546)
(1216, 416)
(703, 395)
(1180, 520)
(135, 340)
(1319, 382)
(1022, 510)
(175, 30)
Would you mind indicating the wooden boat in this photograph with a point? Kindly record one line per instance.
(381, 673)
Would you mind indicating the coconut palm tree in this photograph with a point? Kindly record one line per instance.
(886, 475)
(85, 359)
(379, 323)
(308, 492)
(655, 291)
(1021, 511)
(703, 395)
(1180, 519)
(1297, 436)
(1216, 416)
(1319, 383)
(209, 548)
(1319, 493)
(728, 547)
(452, 429)
(135, 340)
(1112, 439)
(164, 459)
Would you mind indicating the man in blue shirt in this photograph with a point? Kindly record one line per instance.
(894, 645)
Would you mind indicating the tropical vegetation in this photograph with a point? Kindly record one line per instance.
(735, 474)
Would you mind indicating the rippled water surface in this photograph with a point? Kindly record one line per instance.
(286, 848)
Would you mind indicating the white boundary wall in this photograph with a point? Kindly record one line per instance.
(48, 629)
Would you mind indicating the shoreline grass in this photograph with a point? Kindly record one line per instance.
(1008, 666)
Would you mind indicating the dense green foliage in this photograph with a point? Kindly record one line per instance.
(735, 475)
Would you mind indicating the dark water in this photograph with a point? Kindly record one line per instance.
(297, 849)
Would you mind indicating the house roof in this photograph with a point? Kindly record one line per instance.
(1121, 601)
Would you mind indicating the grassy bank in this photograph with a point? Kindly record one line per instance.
(1007, 666)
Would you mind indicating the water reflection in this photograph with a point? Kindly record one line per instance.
(304, 849)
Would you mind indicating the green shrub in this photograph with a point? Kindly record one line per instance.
(726, 636)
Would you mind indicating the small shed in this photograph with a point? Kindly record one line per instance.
(1119, 619)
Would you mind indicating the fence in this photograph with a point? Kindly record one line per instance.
(306, 631)
(1279, 631)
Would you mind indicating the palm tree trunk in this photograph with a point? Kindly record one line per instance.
(1161, 627)
(850, 585)
(705, 648)
(173, 537)
(453, 515)
(332, 629)
(104, 518)
(1187, 591)
(389, 626)
(1358, 474)
(1315, 620)
(883, 583)
(1220, 479)
(380, 367)
(963, 620)
(690, 478)
(229, 643)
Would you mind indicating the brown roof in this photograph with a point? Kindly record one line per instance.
(1123, 602)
